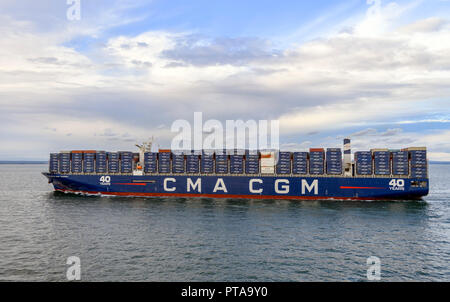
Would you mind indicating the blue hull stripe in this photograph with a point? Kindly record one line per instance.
(242, 186)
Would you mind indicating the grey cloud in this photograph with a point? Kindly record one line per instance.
(365, 132)
(368, 54)
(242, 95)
(175, 64)
(426, 25)
(403, 141)
(45, 60)
(142, 44)
(296, 146)
(141, 63)
(108, 132)
(138, 44)
(391, 132)
(199, 51)
(374, 132)
(267, 71)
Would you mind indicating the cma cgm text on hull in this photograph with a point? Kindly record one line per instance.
(317, 174)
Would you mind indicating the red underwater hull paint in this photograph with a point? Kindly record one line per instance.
(135, 194)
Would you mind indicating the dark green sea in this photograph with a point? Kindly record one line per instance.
(180, 239)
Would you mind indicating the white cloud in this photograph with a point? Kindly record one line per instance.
(133, 84)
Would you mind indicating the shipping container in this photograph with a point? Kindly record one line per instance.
(76, 162)
(100, 162)
(381, 161)
(267, 170)
(364, 163)
(89, 161)
(300, 163)
(334, 161)
(300, 170)
(236, 164)
(178, 163)
(221, 163)
(252, 162)
(126, 161)
(164, 157)
(192, 163)
(54, 163)
(316, 161)
(207, 162)
(400, 162)
(150, 162)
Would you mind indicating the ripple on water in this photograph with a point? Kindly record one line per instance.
(182, 239)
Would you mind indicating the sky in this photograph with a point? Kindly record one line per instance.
(375, 71)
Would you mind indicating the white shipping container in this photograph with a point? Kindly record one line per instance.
(267, 162)
(267, 170)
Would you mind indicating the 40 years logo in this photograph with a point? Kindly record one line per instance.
(397, 185)
(105, 180)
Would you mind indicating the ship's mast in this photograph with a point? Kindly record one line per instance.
(347, 157)
(145, 147)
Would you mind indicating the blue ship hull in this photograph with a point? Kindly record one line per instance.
(253, 187)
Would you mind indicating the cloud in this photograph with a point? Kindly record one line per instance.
(201, 51)
(424, 26)
(365, 132)
(351, 81)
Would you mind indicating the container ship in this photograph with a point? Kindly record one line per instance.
(321, 174)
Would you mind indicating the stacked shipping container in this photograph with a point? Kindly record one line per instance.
(410, 161)
(164, 161)
(150, 162)
(192, 163)
(334, 161)
(178, 163)
(88, 161)
(400, 165)
(251, 162)
(100, 162)
(236, 164)
(64, 162)
(300, 163)
(126, 162)
(316, 161)
(382, 161)
(113, 162)
(207, 162)
(418, 162)
(221, 162)
(284, 163)
(53, 163)
(77, 162)
(363, 160)
(267, 162)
